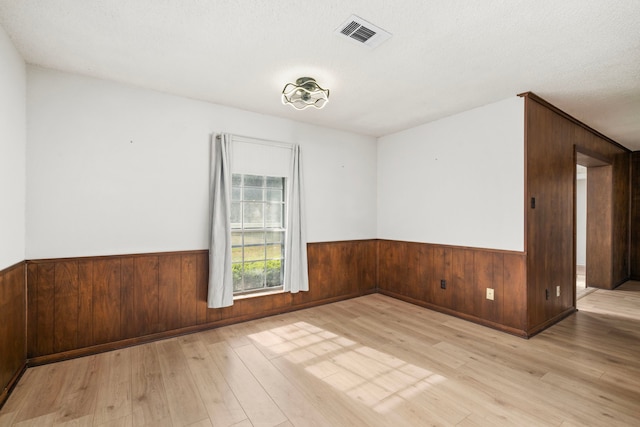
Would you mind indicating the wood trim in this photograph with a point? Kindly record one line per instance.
(532, 96)
(589, 158)
(550, 322)
(117, 256)
(527, 196)
(622, 282)
(8, 269)
(473, 248)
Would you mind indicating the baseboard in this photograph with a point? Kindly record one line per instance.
(494, 325)
(623, 281)
(541, 327)
(4, 394)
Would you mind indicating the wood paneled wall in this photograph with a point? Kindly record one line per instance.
(414, 271)
(635, 216)
(13, 327)
(551, 140)
(83, 305)
(599, 226)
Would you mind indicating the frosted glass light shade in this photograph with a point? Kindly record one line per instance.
(304, 93)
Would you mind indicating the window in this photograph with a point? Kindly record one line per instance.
(257, 233)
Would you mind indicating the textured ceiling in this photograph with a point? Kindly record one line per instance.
(445, 56)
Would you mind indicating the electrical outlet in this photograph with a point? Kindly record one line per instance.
(443, 284)
(557, 291)
(490, 293)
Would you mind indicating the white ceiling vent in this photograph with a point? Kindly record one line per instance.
(362, 32)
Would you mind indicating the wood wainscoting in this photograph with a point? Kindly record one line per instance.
(13, 327)
(414, 272)
(79, 306)
(635, 216)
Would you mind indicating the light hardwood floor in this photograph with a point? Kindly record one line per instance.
(370, 361)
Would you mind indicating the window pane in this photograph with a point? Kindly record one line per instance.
(274, 236)
(252, 194)
(254, 252)
(236, 193)
(254, 275)
(273, 215)
(254, 246)
(236, 254)
(236, 246)
(253, 181)
(236, 238)
(236, 215)
(274, 273)
(274, 195)
(275, 251)
(236, 179)
(253, 238)
(253, 215)
(236, 268)
(275, 182)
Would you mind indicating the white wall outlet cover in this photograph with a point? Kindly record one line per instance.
(490, 293)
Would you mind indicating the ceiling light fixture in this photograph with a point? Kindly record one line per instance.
(305, 92)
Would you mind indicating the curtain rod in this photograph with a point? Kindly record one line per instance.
(261, 141)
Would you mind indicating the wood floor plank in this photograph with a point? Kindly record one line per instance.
(77, 397)
(372, 361)
(21, 393)
(126, 421)
(256, 402)
(203, 423)
(336, 407)
(83, 421)
(114, 394)
(44, 398)
(7, 418)
(296, 408)
(220, 402)
(40, 421)
(149, 403)
(184, 402)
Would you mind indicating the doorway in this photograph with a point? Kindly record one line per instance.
(592, 223)
(581, 232)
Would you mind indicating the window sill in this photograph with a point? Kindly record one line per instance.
(258, 294)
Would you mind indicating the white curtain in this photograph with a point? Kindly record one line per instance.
(296, 275)
(220, 275)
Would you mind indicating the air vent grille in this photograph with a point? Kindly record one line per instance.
(350, 28)
(362, 32)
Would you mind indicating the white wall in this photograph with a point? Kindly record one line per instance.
(456, 181)
(12, 153)
(115, 169)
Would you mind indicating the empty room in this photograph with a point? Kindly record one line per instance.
(330, 213)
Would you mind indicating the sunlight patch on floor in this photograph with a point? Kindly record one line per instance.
(374, 378)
